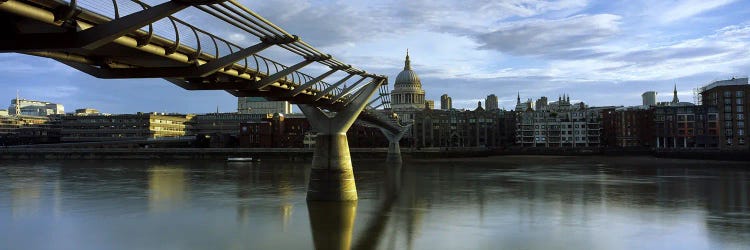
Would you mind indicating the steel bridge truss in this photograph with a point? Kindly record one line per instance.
(103, 40)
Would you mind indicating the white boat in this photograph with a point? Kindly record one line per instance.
(242, 159)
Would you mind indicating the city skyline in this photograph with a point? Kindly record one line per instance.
(634, 47)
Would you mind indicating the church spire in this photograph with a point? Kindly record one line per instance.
(675, 99)
(407, 63)
(518, 99)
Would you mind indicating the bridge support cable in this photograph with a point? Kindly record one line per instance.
(331, 175)
(346, 90)
(282, 73)
(328, 90)
(310, 83)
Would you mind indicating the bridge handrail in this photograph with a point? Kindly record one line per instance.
(263, 66)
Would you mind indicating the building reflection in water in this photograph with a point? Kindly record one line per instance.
(279, 182)
(26, 194)
(168, 188)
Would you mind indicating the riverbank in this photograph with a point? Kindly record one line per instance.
(303, 154)
(598, 160)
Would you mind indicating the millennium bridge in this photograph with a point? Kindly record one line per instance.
(124, 39)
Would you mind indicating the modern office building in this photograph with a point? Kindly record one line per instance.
(649, 98)
(87, 111)
(94, 128)
(729, 97)
(221, 123)
(446, 102)
(429, 104)
(261, 106)
(491, 102)
(34, 108)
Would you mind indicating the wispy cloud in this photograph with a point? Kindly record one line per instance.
(682, 9)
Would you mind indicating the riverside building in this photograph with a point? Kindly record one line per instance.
(730, 98)
(97, 128)
(558, 124)
(463, 128)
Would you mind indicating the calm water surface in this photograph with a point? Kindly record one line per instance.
(559, 204)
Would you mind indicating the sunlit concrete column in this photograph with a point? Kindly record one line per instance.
(331, 174)
(394, 149)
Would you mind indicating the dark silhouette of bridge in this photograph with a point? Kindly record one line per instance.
(122, 39)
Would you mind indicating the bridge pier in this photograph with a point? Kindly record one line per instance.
(331, 175)
(394, 148)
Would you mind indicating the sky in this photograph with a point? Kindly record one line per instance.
(598, 52)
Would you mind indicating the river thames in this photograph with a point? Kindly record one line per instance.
(491, 203)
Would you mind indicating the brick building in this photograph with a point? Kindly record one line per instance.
(628, 127)
(729, 97)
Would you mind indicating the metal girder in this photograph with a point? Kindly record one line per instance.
(332, 87)
(169, 72)
(95, 36)
(188, 85)
(310, 83)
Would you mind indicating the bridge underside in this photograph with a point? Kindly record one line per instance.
(124, 47)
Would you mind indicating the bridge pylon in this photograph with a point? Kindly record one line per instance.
(394, 148)
(331, 175)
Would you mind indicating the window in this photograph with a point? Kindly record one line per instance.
(740, 132)
(740, 117)
(740, 109)
(739, 93)
(739, 101)
(727, 93)
(712, 117)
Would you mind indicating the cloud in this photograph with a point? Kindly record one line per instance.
(678, 10)
(574, 36)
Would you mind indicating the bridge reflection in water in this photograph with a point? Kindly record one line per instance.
(447, 205)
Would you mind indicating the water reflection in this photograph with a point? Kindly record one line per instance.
(168, 188)
(332, 223)
(445, 205)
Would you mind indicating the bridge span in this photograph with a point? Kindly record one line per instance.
(123, 39)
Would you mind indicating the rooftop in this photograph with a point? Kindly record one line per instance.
(730, 82)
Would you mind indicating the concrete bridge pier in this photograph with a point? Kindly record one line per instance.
(331, 175)
(394, 149)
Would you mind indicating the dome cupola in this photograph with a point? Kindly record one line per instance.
(407, 78)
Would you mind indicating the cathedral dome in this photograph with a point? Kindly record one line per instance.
(407, 78)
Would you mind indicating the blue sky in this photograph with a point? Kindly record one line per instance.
(599, 52)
